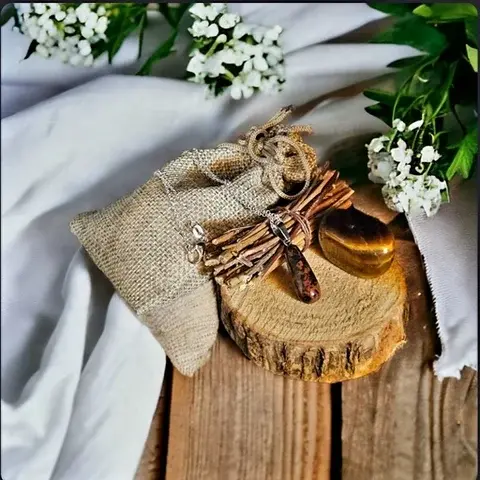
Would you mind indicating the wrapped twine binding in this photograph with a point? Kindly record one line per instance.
(137, 242)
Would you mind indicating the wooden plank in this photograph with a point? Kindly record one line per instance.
(235, 421)
(154, 457)
(402, 423)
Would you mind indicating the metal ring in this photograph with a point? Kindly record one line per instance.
(195, 254)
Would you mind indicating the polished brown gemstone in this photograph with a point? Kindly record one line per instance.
(357, 243)
(304, 280)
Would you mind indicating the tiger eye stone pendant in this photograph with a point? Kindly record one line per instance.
(306, 284)
(357, 243)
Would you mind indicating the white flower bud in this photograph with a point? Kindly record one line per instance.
(101, 10)
(89, 61)
(399, 125)
(228, 20)
(60, 15)
(429, 154)
(415, 125)
(91, 20)
(240, 30)
(82, 12)
(39, 8)
(260, 64)
(42, 51)
(70, 19)
(84, 47)
(76, 60)
(102, 24)
(42, 19)
(86, 32)
(42, 36)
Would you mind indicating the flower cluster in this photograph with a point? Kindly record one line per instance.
(229, 55)
(404, 172)
(63, 31)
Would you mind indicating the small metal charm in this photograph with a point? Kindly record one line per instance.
(195, 254)
(280, 230)
(196, 249)
(198, 233)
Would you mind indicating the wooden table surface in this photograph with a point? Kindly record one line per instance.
(235, 421)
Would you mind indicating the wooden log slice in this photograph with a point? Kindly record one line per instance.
(351, 331)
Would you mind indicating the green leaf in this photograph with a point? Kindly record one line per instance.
(142, 26)
(164, 50)
(381, 111)
(408, 61)
(179, 11)
(438, 98)
(446, 12)
(472, 54)
(471, 29)
(173, 15)
(396, 9)
(387, 98)
(465, 157)
(165, 10)
(31, 49)
(8, 11)
(127, 20)
(413, 31)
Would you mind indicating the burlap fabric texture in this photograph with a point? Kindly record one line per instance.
(138, 242)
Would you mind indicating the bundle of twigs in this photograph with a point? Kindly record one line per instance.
(242, 254)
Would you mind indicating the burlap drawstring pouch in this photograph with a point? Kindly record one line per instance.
(147, 245)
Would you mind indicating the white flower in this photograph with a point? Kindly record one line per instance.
(210, 12)
(232, 57)
(415, 125)
(272, 35)
(253, 79)
(274, 55)
(54, 8)
(239, 89)
(376, 144)
(101, 25)
(414, 194)
(258, 33)
(60, 15)
(42, 50)
(214, 66)
(429, 154)
(76, 60)
(70, 19)
(270, 84)
(89, 61)
(91, 20)
(381, 166)
(401, 154)
(86, 32)
(240, 30)
(278, 70)
(260, 64)
(228, 20)
(82, 11)
(84, 47)
(399, 125)
(197, 64)
(203, 29)
(39, 8)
